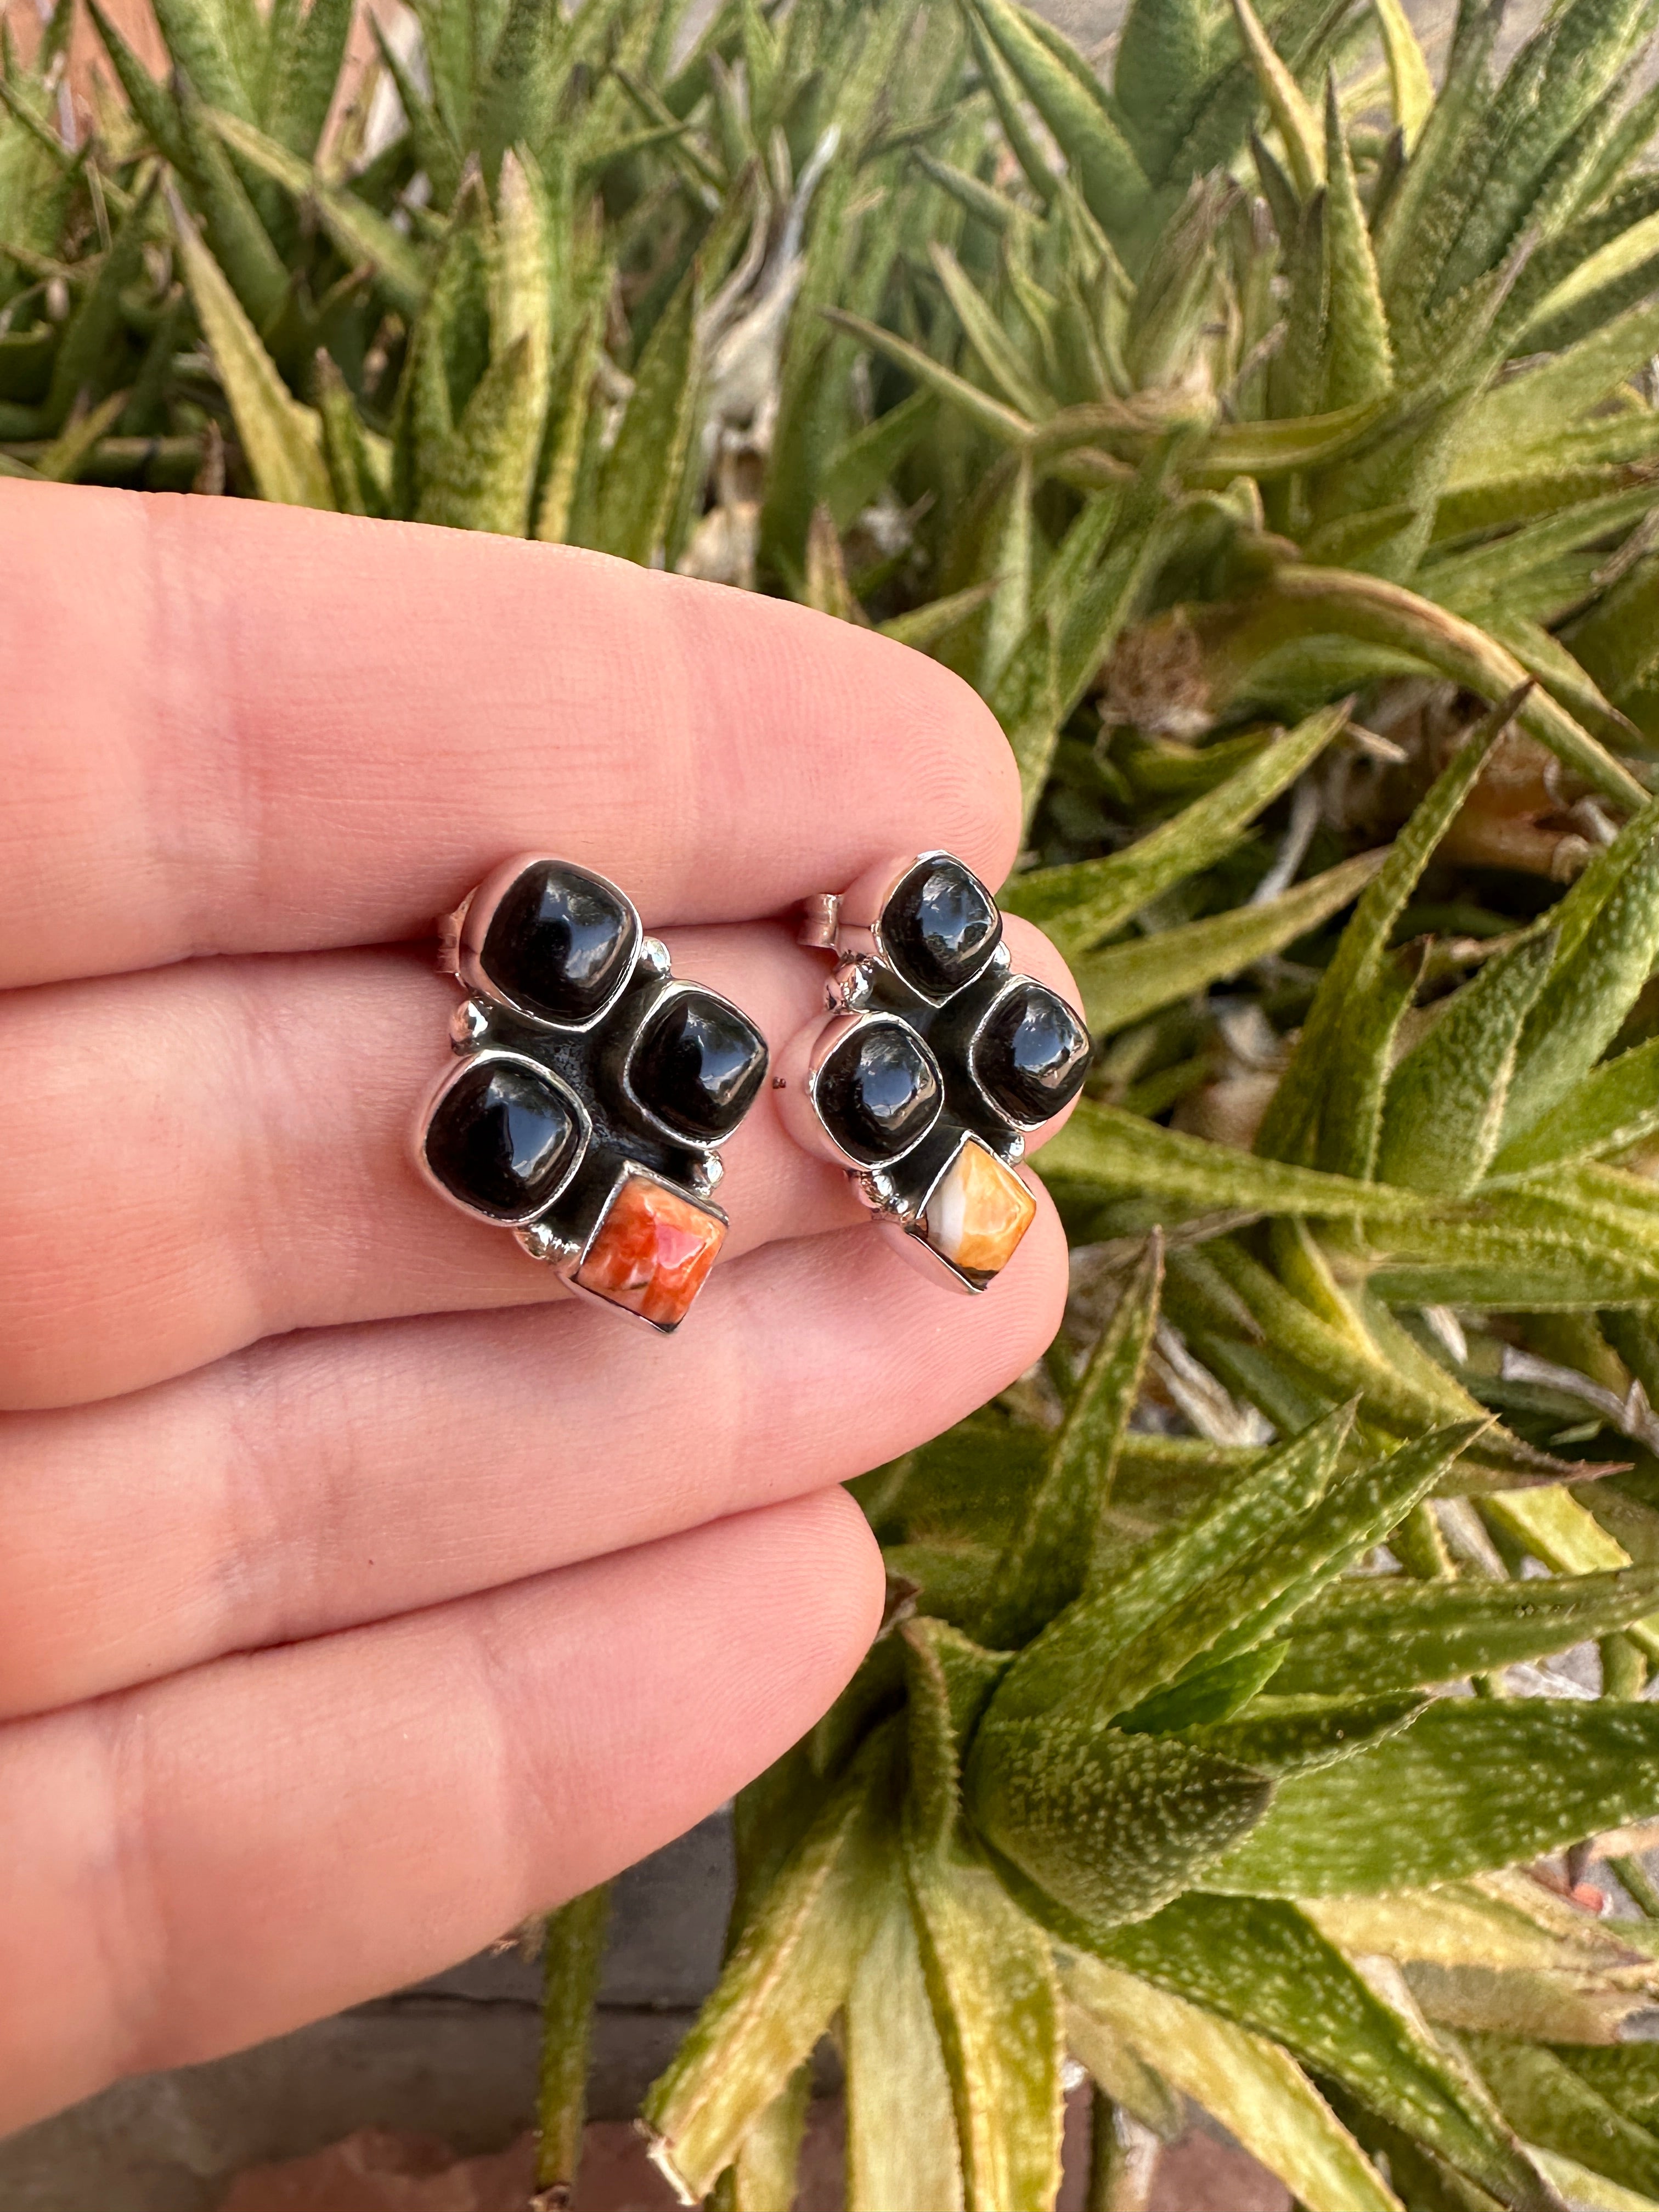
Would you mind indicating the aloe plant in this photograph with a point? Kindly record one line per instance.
(1267, 432)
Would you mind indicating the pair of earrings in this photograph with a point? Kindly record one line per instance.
(595, 1088)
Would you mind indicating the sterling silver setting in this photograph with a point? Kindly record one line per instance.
(590, 1088)
(934, 1062)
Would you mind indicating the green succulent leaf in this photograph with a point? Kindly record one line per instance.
(1070, 105)
(1025, 697)
(1338, 1351)
(787, 1975)
(361, 232)
(1107, 1652)
(1360, 1508)
(95, 323)
(1379, 614)
(235, 228)
(1163, 55)
(193, 31)
(1115, 1151)
(1472, 1785)
(1264, 1966)
(1614, 1106)
(1210, 1692)
(1298, 127)
(1253, 2087)
(1056, 1549)
(1446, 1099)
(305, 69)
(1411, 87)
(1077, 905)
(996, 2000)
(1550, 2105)
(573, 1953)
(901, 2145)
(358, 472)
(1109, 1824)
(1627, 2079)
(1291, 1129)
(762, 2176)
(1366, 1638)
(1505, 1924)
(1290, 1735)
(949, 1680)
(1590, 991)
(1122, 983)
(283, 440)
(149, 100)
(480, 478)
(641, 475)
(1269, 449)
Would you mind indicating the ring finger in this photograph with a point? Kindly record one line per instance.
(340, 1477)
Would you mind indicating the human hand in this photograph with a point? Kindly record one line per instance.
(361, 1594)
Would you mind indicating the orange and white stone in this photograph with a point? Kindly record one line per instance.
(977, 1212)
(653, 1252)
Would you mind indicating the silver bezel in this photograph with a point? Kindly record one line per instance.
(457, 1071)
(473, 922)
(1010, 983)
(833, 1034)
(678, 987)
(569, 1269)
(911, 1236)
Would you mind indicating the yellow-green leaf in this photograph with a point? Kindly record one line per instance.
(1253, 2087)
(283, 441)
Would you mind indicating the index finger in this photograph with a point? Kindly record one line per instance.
(237, 729)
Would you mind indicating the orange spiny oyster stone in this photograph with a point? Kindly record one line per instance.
(653, 1250)
(977, 1212)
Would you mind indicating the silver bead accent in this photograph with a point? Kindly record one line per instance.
(1013, 1148)
(876, 1188)
(469, 1025)
(851, 986)
(542, 1242)
(1000, 961)
(654, 958)
(706, 1172)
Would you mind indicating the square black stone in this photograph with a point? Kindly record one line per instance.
(560, 942)
(697, 1064)
(1032, 1055)
(940, 927)
(879, 1092)
(503, 1137)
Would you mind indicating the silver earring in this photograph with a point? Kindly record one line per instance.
(593, 1092)
(935, 1060)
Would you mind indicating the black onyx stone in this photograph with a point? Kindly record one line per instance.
(878, 1092)
(940, 927)
(698, 1064)
(559, 942)
(1032, 1054)
(502, 1139)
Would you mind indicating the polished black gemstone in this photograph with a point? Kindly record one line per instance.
(559, 942)
(502, 1139)
(879, 1092)
(940, 927)
(698, 1064)
(1033, 1053)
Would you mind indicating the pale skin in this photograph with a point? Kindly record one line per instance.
(359, 1594)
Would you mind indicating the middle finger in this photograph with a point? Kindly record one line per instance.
(200, 1155)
